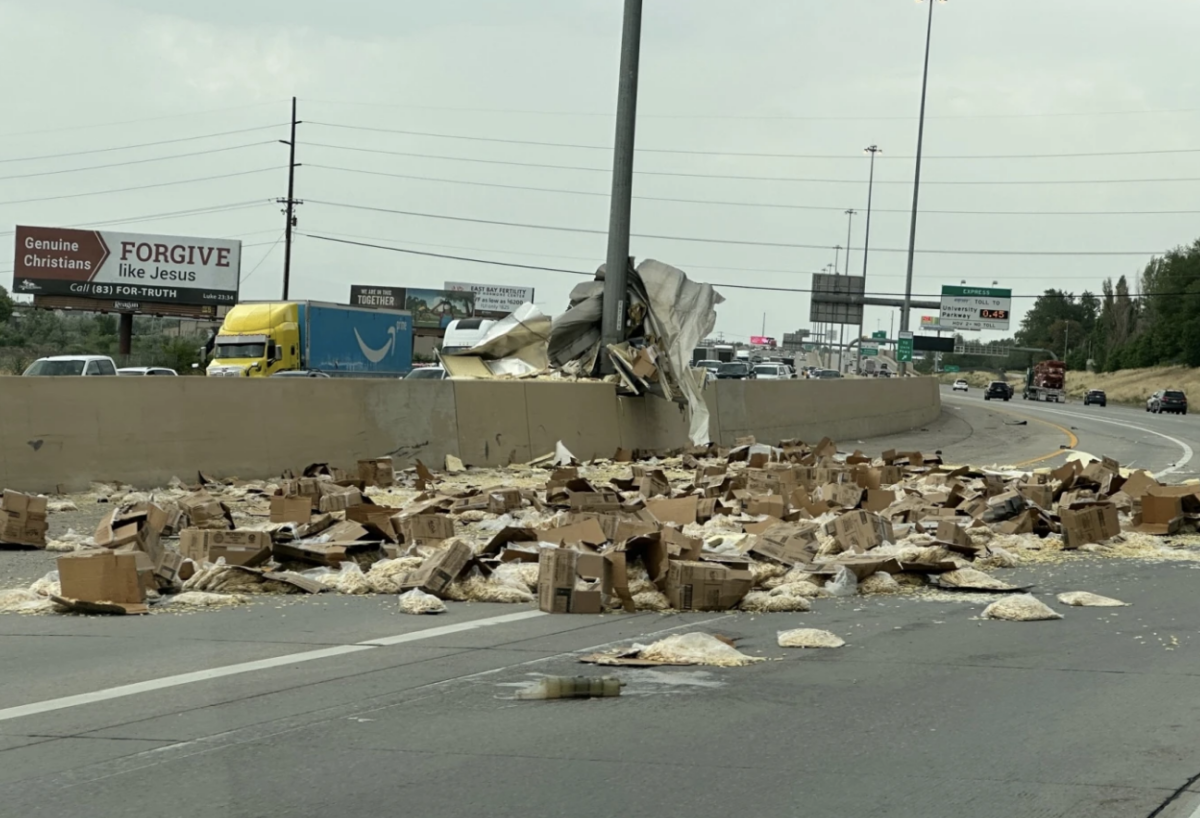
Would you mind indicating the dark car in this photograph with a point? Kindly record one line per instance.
(1167, 400)
(999, 390)
(1095, 396)
(301, 373)
(737, 370)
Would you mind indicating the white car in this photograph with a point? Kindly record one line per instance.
(772, 372)
(427, 373)
(72, 365)
(960, 384)
(146, 370)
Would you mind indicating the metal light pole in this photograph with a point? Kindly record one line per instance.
(613, 317)
(912, 231)
(841, 327)
(872, 150)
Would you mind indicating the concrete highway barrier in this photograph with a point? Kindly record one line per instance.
(60, 434)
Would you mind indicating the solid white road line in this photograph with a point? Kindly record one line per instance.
(122, 691)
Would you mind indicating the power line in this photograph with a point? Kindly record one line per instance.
(739, 242)
(140, 145)
(138, 161)
(159, 216)
(137, 121)
(764, 117)
(266, 255)
(748, 154)
(138, 187)
(724, 203)
(565, 271)
(745, 178)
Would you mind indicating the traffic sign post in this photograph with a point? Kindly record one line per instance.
(977, 308)
(880, 334)
(904, 347)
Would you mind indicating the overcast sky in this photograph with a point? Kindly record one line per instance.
(798, 77)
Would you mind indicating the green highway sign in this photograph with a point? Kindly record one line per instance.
(904, 348)
(950, 368)
(879, 334)
(870, 352)
(982, 292)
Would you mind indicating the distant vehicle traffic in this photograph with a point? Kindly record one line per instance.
(427, 373)
(1095, 396)
(826, 374)
(70, 365)
(301, 373)
(709, 364)
(999, 390)
(1046, 381)
(735, 370)
(1167, 400)
(773, 372)
(260, 339)
(134, 371)
(959, 386)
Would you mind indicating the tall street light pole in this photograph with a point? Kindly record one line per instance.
(872, 150)
(841, 327)
(912, 231)
(612, 325)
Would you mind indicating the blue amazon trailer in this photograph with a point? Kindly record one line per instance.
(357, 342)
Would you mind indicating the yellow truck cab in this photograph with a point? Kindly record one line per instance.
(257, 340)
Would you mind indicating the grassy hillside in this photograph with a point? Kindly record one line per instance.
(1135, 385)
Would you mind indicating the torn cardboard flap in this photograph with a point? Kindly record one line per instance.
(440, 569)
(1159, 515)
(681, 511)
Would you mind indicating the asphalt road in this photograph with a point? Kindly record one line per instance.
(343, 706)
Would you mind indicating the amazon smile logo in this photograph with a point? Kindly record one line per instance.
(376, 355)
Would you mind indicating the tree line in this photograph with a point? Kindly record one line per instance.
(27, 334)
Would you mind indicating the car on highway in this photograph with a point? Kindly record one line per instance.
(773, 372)
(710, 364)
(1167, 400)
(68, 365)
(959, 386)
(735, 370)
(427, 373)
(1095, 396)
(301, 373)
(826, 374)
(999, 390)
(135, 371)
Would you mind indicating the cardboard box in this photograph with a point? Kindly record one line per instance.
(587, 532)
(556, 579)
(339, 498)
(23, 519)
(601, 500)
(102, 576)
(878, 499)
(425, 527)
(238, 547)
(205, 511)
(860, 530)
(707, 586)
(681, 511)
(378, 472)
(289, 510)
(1159, 515)
(329, 554)
(1091, 523)
(376, 519)
(654, 483)
(503, 500)
(1041, 495)
(440, 569)
(772, 505)
(789, 543)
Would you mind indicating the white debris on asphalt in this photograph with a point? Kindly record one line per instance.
(696, 649)
(203, 599)
(1020, 608)
(417, 601)
(1089, 600)
(879, 583)
(770, 602)
(809, 638)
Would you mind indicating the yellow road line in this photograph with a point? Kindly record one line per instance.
(1072, 440)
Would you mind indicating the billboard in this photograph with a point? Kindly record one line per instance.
(930, 322)
(116, 266)
(975, 308)
(836, 299)
(762, 341)
(494, 300)
(389, 298)
(435, 309)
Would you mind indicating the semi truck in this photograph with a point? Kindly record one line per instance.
(1045, 381)
(260, 339)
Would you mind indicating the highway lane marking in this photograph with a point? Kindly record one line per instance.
(1184, 447)
(122, 691)
(1073, 440)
